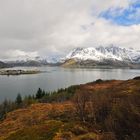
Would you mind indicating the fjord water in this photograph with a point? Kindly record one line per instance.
(54, 78)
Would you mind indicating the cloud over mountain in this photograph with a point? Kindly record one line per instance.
(50, 27)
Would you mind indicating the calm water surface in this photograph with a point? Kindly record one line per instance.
(56, 77)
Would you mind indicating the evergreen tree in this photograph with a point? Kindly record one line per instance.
(18, 99)
(39, 93)
(43, 93)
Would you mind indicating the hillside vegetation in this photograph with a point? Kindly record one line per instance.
(100, 110)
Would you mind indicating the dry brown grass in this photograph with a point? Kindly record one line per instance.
(33, 115)
(38, 113)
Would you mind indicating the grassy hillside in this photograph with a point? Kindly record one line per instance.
(100, 110)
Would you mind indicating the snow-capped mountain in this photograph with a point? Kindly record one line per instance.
(108, 56)
(101, 54)
(37, 61)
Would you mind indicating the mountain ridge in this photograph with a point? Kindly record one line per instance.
(102, 56)
(110, 56)
(109, 52)
(3, 65)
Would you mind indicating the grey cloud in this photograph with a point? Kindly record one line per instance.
(52, 27)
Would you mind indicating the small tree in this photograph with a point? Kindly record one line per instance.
(18, 99)
(43, 93)
(39, 93)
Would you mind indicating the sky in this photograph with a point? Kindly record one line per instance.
(30, 28)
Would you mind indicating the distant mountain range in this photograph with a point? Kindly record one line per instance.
(110, 56)
(107, 57)
(30, 63)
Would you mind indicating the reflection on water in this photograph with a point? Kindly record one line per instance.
(57, 77)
